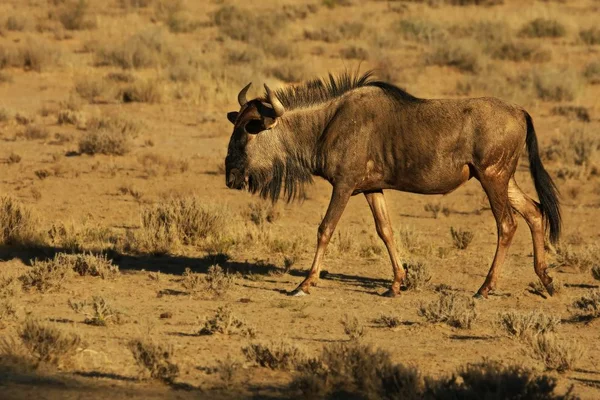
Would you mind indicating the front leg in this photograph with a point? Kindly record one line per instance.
(337, 204)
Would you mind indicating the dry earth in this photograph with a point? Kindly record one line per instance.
(144, 85)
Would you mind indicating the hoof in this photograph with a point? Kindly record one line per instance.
(298, 293)
(390, 293)
(479, 296)
(550, 289)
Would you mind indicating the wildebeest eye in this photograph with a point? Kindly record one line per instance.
(255, 126)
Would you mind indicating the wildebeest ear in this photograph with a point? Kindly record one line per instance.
(232, 116)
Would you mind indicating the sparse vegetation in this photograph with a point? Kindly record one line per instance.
(555, 85)
(390, 321)
(572, 112)
(352, 327)
(215, 283)
(556, 354)
(543, 28)
(155, 358)
(274, 355)
(108, 135)
(48, 344)
(97, 311)
(460, 55)
(461, 238)
(527, 325)
(417, 275)
(588, 305)
(450, 308)
(590, 36)
(226, 323)
(262, 211)
(18, 224)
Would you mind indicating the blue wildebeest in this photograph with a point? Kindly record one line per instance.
(365, 136)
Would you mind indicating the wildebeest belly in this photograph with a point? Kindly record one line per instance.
(424, 181)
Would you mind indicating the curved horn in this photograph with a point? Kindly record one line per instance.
(242, 95)
(277, 106)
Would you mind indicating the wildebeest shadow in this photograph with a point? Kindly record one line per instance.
(177, 264)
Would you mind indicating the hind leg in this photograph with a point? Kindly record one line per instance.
(496, 189)
(530, 211)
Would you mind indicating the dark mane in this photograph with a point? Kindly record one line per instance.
(320, 90)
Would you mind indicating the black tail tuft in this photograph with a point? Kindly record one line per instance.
(544, 186)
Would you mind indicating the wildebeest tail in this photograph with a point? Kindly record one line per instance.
(544, 186)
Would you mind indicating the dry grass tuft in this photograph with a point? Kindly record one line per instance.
(144, 91)
(596, 272)
(390, 321)
(582, 260)
(97, 312)
(95, 90)
(108, 135)
(579, 113)
(178, 221)
(590, 36)
(149, 48)
(543, 28)
(74, 16)
(226, 323)
(352, 327)
(353, 370)
(215, 283)
(588, 305)
(274, 355)
(551, 84)
(34, 132)
(452, 309)
(35, 54)
(417, 275)
(18, 224)
(461, 55)
(527, 325)
(556, 354)
(460, 238)
(155, 359)
(592, 73)
(155, 164)
(261, 212)
(48, 344)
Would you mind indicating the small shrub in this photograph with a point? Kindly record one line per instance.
(461, 55)
(95, 90)
(89, 264)
(46, 276)
(143, 91)
(527, 325)
(108, 135)
(8, 311)
(156, 164)
(225, 322)
(596, 272)
(73, 16)
(69, 117)
(6, 114)
(18, 224)
(352, 327)
(420, 31)
(572, 112)
(434, 209)
(558, 355)
(274, 355)
(588, 306)
(452, 309)
(582, 260)
(518, 51)
(390, 321)
(353, 370)
(590, 36)
(592, 73)
(97, 312)
(35, 132)
(150, 48)
(227, 369)
(460, 238)
(13, 158)
(155, 358)
(492, 380)
(542, 28)
(417, 275)
(354, 53)
(215, 283)
(555, 85)
(16, 23)
(48, 344)
(261, 212)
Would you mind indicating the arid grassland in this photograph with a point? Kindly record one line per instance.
(129, 270)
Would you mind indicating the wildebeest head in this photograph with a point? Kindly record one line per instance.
(246, 159)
